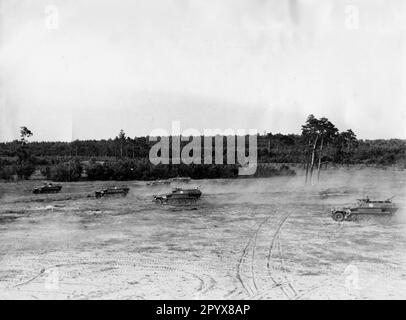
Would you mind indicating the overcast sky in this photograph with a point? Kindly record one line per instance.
(84, 69)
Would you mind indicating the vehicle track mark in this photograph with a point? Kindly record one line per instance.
(253, 251)
(268, 265)
(285, 274)
(239, 265)
(252, 243)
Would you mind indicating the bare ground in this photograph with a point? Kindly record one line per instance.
(246, 239)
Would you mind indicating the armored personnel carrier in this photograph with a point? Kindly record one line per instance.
(112, 191)
(336, 192)
(47, 188)
(181, 179)
(364, 206)
(179, 195)
(158, 182)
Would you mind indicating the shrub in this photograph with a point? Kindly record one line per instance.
(25, 170)
(67, 171)
(7, 172)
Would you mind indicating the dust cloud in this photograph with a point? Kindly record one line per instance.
(270, 238)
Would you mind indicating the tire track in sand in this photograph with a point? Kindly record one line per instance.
(250, 283)
(291, 293)
(252, 243)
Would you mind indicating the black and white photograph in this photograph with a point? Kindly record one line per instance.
(230, 150)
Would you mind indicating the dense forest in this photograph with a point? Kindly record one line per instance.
(125, 158)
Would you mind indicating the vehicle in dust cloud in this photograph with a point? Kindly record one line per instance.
(47, 188)
(364, 206)
(158, 182)
(179, 195)
(337, 192)
(181, 179)
(112, 191)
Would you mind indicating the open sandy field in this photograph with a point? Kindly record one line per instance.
(246, 239)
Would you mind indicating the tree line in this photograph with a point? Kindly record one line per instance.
(320, 143)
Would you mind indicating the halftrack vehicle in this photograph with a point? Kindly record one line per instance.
(364, 206)
(179, 195)
(47, 188)
(112, 191)
(181, 179)
(158, 182)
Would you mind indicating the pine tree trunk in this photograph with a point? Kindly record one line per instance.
(320, 156)
(307, 161)
(269, 146)
(312, 162)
